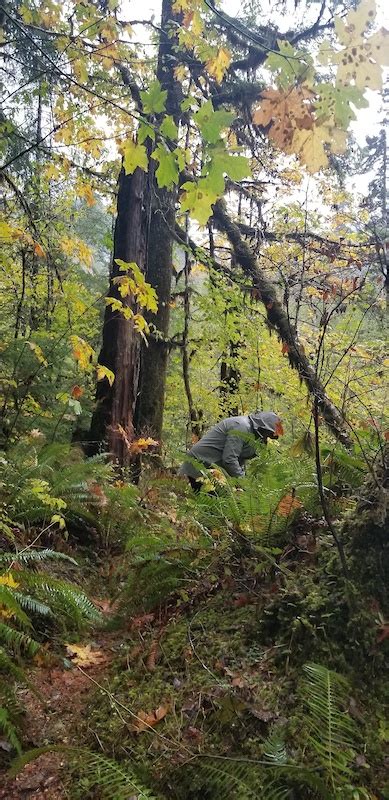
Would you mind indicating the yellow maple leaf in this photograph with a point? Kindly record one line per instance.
(104, 372)
(359, 69)
(337, 139)
(84, 656)
(8, 233)
(180, 5)
(217, 66)
(361, 58)
(355, 23)
(51, 171)
(80, 71)
(8, 580)
(86, 191)
(180, 73)
(76, 248)
(140, 323)
(82, 352)
(148, 442)
(309, 146)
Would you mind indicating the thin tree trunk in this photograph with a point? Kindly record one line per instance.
(280, 322)
(229, 379)
(194, 425)
(113, 419)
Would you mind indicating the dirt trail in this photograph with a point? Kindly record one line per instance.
(55, 716)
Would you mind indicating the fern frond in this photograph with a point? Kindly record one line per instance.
(275, 751)
(17, 640)
(115, 781)
(9, 729)
(33, 605)
(275, 790)
(5, 529)
(237, 780)
(8, 666)
(64, 598)
(35, 556)
(12, 606)
(333, 732)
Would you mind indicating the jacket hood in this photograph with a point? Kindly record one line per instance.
(265, 421)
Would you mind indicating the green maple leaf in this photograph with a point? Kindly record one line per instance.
(154, 99)
(180, 156)
(169, 128)
(198, 199)
(167, 170)
(222, 163)
(289, 64)
(145, 131)
(211, 123)
(134, 155)
(335, 101)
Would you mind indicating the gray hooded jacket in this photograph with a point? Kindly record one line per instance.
(228, 444)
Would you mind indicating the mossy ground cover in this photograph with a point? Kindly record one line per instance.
(221, 663)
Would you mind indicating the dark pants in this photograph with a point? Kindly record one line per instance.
(195, 484)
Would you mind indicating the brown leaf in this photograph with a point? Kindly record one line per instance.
(238, 682)
(243, 600)
(194, 733)
(98, 494)
(77, 392)
(105, 606)
(38, 250)
(142, 620)
(285, 111)
(146, 720)
(152, 656)
(287, 504)
(383, 633)
(279, 430)
(263, 714)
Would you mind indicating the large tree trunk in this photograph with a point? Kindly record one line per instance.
(161, 205)
(155, 353)
(113, 419)
(279, 320)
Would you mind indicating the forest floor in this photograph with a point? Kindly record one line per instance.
(53, 711)
(217, 659)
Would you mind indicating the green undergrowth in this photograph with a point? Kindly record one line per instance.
(222, 663)
(223, 686)
(223, 600)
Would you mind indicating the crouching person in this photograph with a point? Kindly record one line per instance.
(228, 445)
